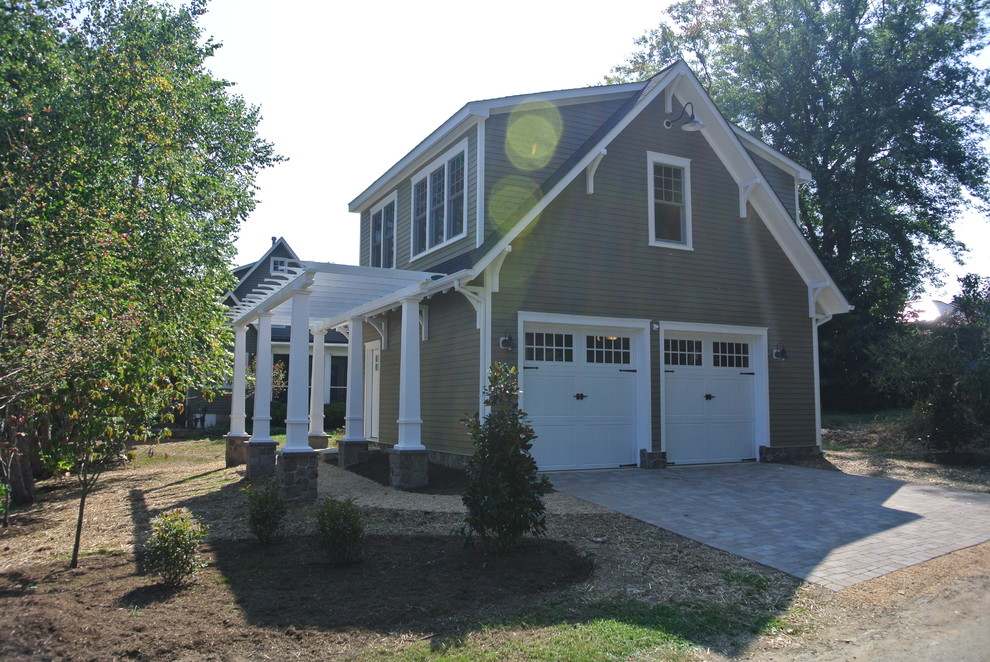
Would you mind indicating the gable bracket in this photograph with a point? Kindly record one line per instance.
(424, 323)
(495, 268)
(589, 172)
(381, 326)
(474, 298)
(745, 191)
(814, 289)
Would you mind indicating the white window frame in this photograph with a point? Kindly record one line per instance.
(391, 199)
(279, 265)
(653, 158)
(424, 173)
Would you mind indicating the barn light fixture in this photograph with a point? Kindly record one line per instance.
(507, 342)
(780, 353)
(693, 124)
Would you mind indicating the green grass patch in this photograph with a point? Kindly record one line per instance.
(589, 632)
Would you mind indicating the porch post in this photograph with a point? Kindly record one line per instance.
(239, 390)
(235, 454)
(296, 420)
(317, 437)
(408, 461)
(263, 380)
(297, 470)
(261, 446)
(354, 445)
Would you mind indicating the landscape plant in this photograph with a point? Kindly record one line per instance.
(266, 511)
(340, 531)
(504, 491)
(172, 551)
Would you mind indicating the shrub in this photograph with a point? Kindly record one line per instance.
(172, 552)
(340, 531)
(333, 415)
(504, 493)
(216, 431)
(266, 510)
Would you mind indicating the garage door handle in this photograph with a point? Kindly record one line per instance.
(709, 396)
(580, 396)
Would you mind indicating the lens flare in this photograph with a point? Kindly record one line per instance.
(508, 197)
(532, 136)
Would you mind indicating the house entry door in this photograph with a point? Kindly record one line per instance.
(372, 388)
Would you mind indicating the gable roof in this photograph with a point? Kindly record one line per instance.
(725, 139)
(244, 272)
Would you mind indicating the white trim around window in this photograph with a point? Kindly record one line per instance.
(438, 202)
(669, 184)
(383, 221)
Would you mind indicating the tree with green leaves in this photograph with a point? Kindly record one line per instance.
(125, 171)
(882, 102)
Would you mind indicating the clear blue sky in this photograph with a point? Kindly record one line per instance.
(347, 88)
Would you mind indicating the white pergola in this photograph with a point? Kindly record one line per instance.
(314, 297)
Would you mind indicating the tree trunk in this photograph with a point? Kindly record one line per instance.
(21, 478)
(79, 524)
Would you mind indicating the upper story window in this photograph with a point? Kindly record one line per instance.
(439, 203)
(670, 200)
(383, 233)
(280, 265)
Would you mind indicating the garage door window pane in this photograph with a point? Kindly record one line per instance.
(681, 352)
(608, 349)
(730, 354)
(549, 347)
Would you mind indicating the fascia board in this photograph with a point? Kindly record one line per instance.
(462, 120)
(798, 171)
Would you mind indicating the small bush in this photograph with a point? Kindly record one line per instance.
(266, 511)
(172, 552)
(504, 492)
(216, 431)
(340, 531)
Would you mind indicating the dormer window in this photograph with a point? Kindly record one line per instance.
(670, 200)
(383, 234)
(280, 265)
(439, 203)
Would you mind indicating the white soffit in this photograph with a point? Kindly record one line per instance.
(334, 290)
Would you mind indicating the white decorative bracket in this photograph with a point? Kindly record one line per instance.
(590, 171)
(495, 268)
(814, 289)
(382, 328)
(424, 323)
(668, 99)
(745, 190)
(474, 298)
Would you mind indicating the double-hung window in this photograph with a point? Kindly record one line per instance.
(670, 200)
(383, 233)
(439, 202)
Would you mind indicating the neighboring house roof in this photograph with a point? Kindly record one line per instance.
(927, 310)
(244, 272)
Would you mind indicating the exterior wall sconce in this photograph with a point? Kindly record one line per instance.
(506, 342)
(693, 124)
(780, 353)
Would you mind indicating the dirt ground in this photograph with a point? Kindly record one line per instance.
(417, 582)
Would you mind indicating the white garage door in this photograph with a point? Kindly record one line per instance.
(580, 391)
(709, 398)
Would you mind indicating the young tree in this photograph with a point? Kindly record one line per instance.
(125, 170)
(882, 102)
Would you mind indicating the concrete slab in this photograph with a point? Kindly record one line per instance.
(822, 526)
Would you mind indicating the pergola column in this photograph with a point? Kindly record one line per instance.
(354, 445)
(297, 469)
(238, 432)
(408, 462)
(261, 446)
(317, 437)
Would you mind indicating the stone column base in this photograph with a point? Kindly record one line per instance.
(297, 472)
(652, 459)
(408, 470)
(236, 453)
(351, 453)
(260, 459)
(318, 441)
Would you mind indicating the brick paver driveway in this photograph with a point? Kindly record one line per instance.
(823, 526)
